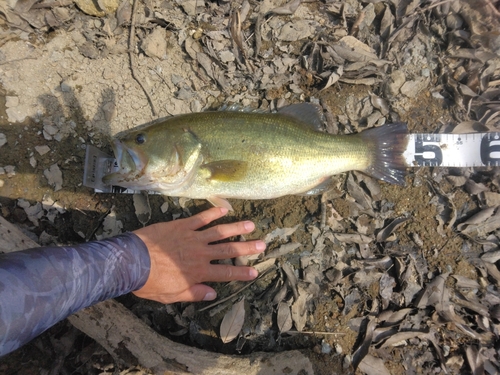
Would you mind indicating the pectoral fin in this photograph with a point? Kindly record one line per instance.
(226, 170)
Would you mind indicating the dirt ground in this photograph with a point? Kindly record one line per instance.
(66, 86)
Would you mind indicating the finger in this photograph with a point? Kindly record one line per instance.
(205, 217)
(222, 273)
(223, 231)
(198, 292)
(235, 249)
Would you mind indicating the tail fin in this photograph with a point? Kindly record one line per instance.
(388, 145)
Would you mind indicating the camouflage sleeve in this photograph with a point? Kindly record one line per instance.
(39, 287)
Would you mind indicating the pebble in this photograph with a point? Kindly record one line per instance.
(164, 207)
(42, 150)
(155, 45)
(9, 169)
(3, 139)
(226, 56)
(397, 79)
(11, 101)
(54, 176)
(325, 347)
(293, 31)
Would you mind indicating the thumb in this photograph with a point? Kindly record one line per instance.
(198, 292)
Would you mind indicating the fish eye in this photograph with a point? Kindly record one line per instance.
(140, 139)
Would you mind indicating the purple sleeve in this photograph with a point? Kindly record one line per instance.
(39, 287)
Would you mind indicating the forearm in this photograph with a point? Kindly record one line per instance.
(39, 287)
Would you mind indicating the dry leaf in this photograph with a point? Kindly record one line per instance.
(371, 365)
(475, 360)
(233, 322)
(281, 233)
(284, 317)
(299, 313)
(283, 250)
(142, 207)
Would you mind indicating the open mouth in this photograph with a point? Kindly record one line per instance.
(130, 165)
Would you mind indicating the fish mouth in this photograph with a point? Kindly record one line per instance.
(131, 164)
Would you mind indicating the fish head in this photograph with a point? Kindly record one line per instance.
(151, 158)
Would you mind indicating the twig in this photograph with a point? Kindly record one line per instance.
(237, 292)
(131, 50)
(21, 59)
(314, 333)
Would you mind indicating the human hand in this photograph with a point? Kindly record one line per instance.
(181, 255)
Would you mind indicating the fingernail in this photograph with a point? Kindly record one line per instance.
(249, 225)
(223, 210)
(253, 273)
(260, 245)
(210, 296)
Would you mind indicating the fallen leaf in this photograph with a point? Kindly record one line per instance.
(284, 317)
(371, 365)
(233, 322)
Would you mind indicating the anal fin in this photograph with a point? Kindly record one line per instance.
(320, 188)
(220, 202)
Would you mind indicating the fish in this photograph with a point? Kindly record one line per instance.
(234, 154)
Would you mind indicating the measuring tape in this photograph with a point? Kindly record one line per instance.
(423, 150)
(453, 150)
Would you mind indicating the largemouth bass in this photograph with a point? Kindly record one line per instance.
(249, 155)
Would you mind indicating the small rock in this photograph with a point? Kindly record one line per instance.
(189, 6)
(338, 349)
(54, 176)
(9, 169)
(11, 101)
(109, 73)
(16, 114)
(65, 87)
(46, 239)
(397, 79)
(89, 50)
(293, 31)
(34, 212)
(3, 139)
(42, 150)
(226, 56)
(411, 89)
(33, 162)
(325, 347)
(164, 207)
(155, 44)
(49, 131)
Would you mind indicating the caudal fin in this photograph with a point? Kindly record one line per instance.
(388, 145)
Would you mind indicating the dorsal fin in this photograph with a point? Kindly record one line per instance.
(307, 113)
(235, 107)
